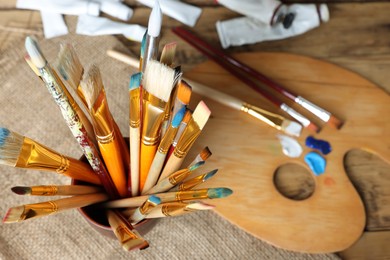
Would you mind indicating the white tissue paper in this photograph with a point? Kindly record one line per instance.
(182, 12)
(53, 24)
(248, 30)
(262, 10)
(91, 25)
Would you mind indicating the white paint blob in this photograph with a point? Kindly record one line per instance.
(290, 146)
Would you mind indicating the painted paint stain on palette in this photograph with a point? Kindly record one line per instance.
(316, 162)
(321, 145)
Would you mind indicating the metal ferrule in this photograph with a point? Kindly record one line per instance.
(187, 139)
(44, 190)
(101, 118)
(36, 156)
(267, 117)
(39, 209)
(106, 139)
(173, 209)
(316, 110)
(297, 116)
(135, 108)
(178, 176)
(191, 183)
(192, 195)
(153, 109)
(167, 140)
(151, 49)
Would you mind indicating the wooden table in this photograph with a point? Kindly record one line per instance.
(356, 38)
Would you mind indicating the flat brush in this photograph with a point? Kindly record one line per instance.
(183, 124)
(182, 98)
(56, 89)
(93, 91)
(202, 156)
(162, 150)
(191, 183)
(168, 53)
(157, 83)
(174, 209)
(141, 212)
(56, 190)
(187, 139)
(128, 237)
(30, 211)
(173, 179)
(22, 152)
(135, 130)
(234, 66)
(210, 193)
(274, 120)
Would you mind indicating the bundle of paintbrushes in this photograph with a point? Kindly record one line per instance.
(126, 183)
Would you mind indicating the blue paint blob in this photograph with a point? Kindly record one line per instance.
(321, 145)
(4, 133)
(316, 162)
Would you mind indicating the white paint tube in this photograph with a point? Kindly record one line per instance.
(247, 30)
(69, 7)
(116, 9)
(53, 24)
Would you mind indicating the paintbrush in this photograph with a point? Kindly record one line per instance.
(202, 156)
(135, 130)
(187, 139)
(93, 91)
(140, 213)
(234, 66)
(30, 211)
(22, 152)
(274, 120)
(183, 124)
(173, 179)
(182, 98)
(56, 89)
(56, 190)
(128, 237)
(162, 150)
(136, 63)
(174, 209)
(168, 54)
(191, 183)
(157, 86)
(210, 193)
(152, 36)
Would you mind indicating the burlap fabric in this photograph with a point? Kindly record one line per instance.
(27, 108)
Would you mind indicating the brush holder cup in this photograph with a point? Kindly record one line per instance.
(97, 219)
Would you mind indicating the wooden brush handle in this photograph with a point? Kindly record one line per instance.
(154, 171)
(147, 155)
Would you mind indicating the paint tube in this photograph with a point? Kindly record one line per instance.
(116, 9)
(182, 12)
(261, 10)
(247, 30)
(90, 25)
(69, 7)
(53, 24)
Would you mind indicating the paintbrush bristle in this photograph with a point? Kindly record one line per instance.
(10, 146)
(13, 214)
(135, 80)
(31, 65)
(291, 127)
(200, 206)
(20, 190)
(187, 117)
(178, 117)
(69, 66)
(35, 53)
(196, 165)
(168, 53)
(209, 174)
(335, 122)
(216, 193)
(201, 114)
(184, 92)
(155, 20)
(92, 86)
(158, 80)
(205, 153)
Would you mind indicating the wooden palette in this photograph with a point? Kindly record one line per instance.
(247, 152)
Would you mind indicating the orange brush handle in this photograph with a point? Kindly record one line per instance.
(113, 160)
(147, 155)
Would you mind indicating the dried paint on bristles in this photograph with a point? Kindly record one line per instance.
(158, 80)
(10, 146)
(335, 122)
(27, 58)
(209, 175)
(13, 214)
(184, 92)
(201, 114)
(135, 80)
(35, 53)
(216, 193)
(92, 86)
(178, 117)
(200, 206)
(196, 166)
(187, 117)
(69, 66)
(205, 153)
(21, 190)
(168, 53)
(143, 44)
(154, 200)
(155, 20)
